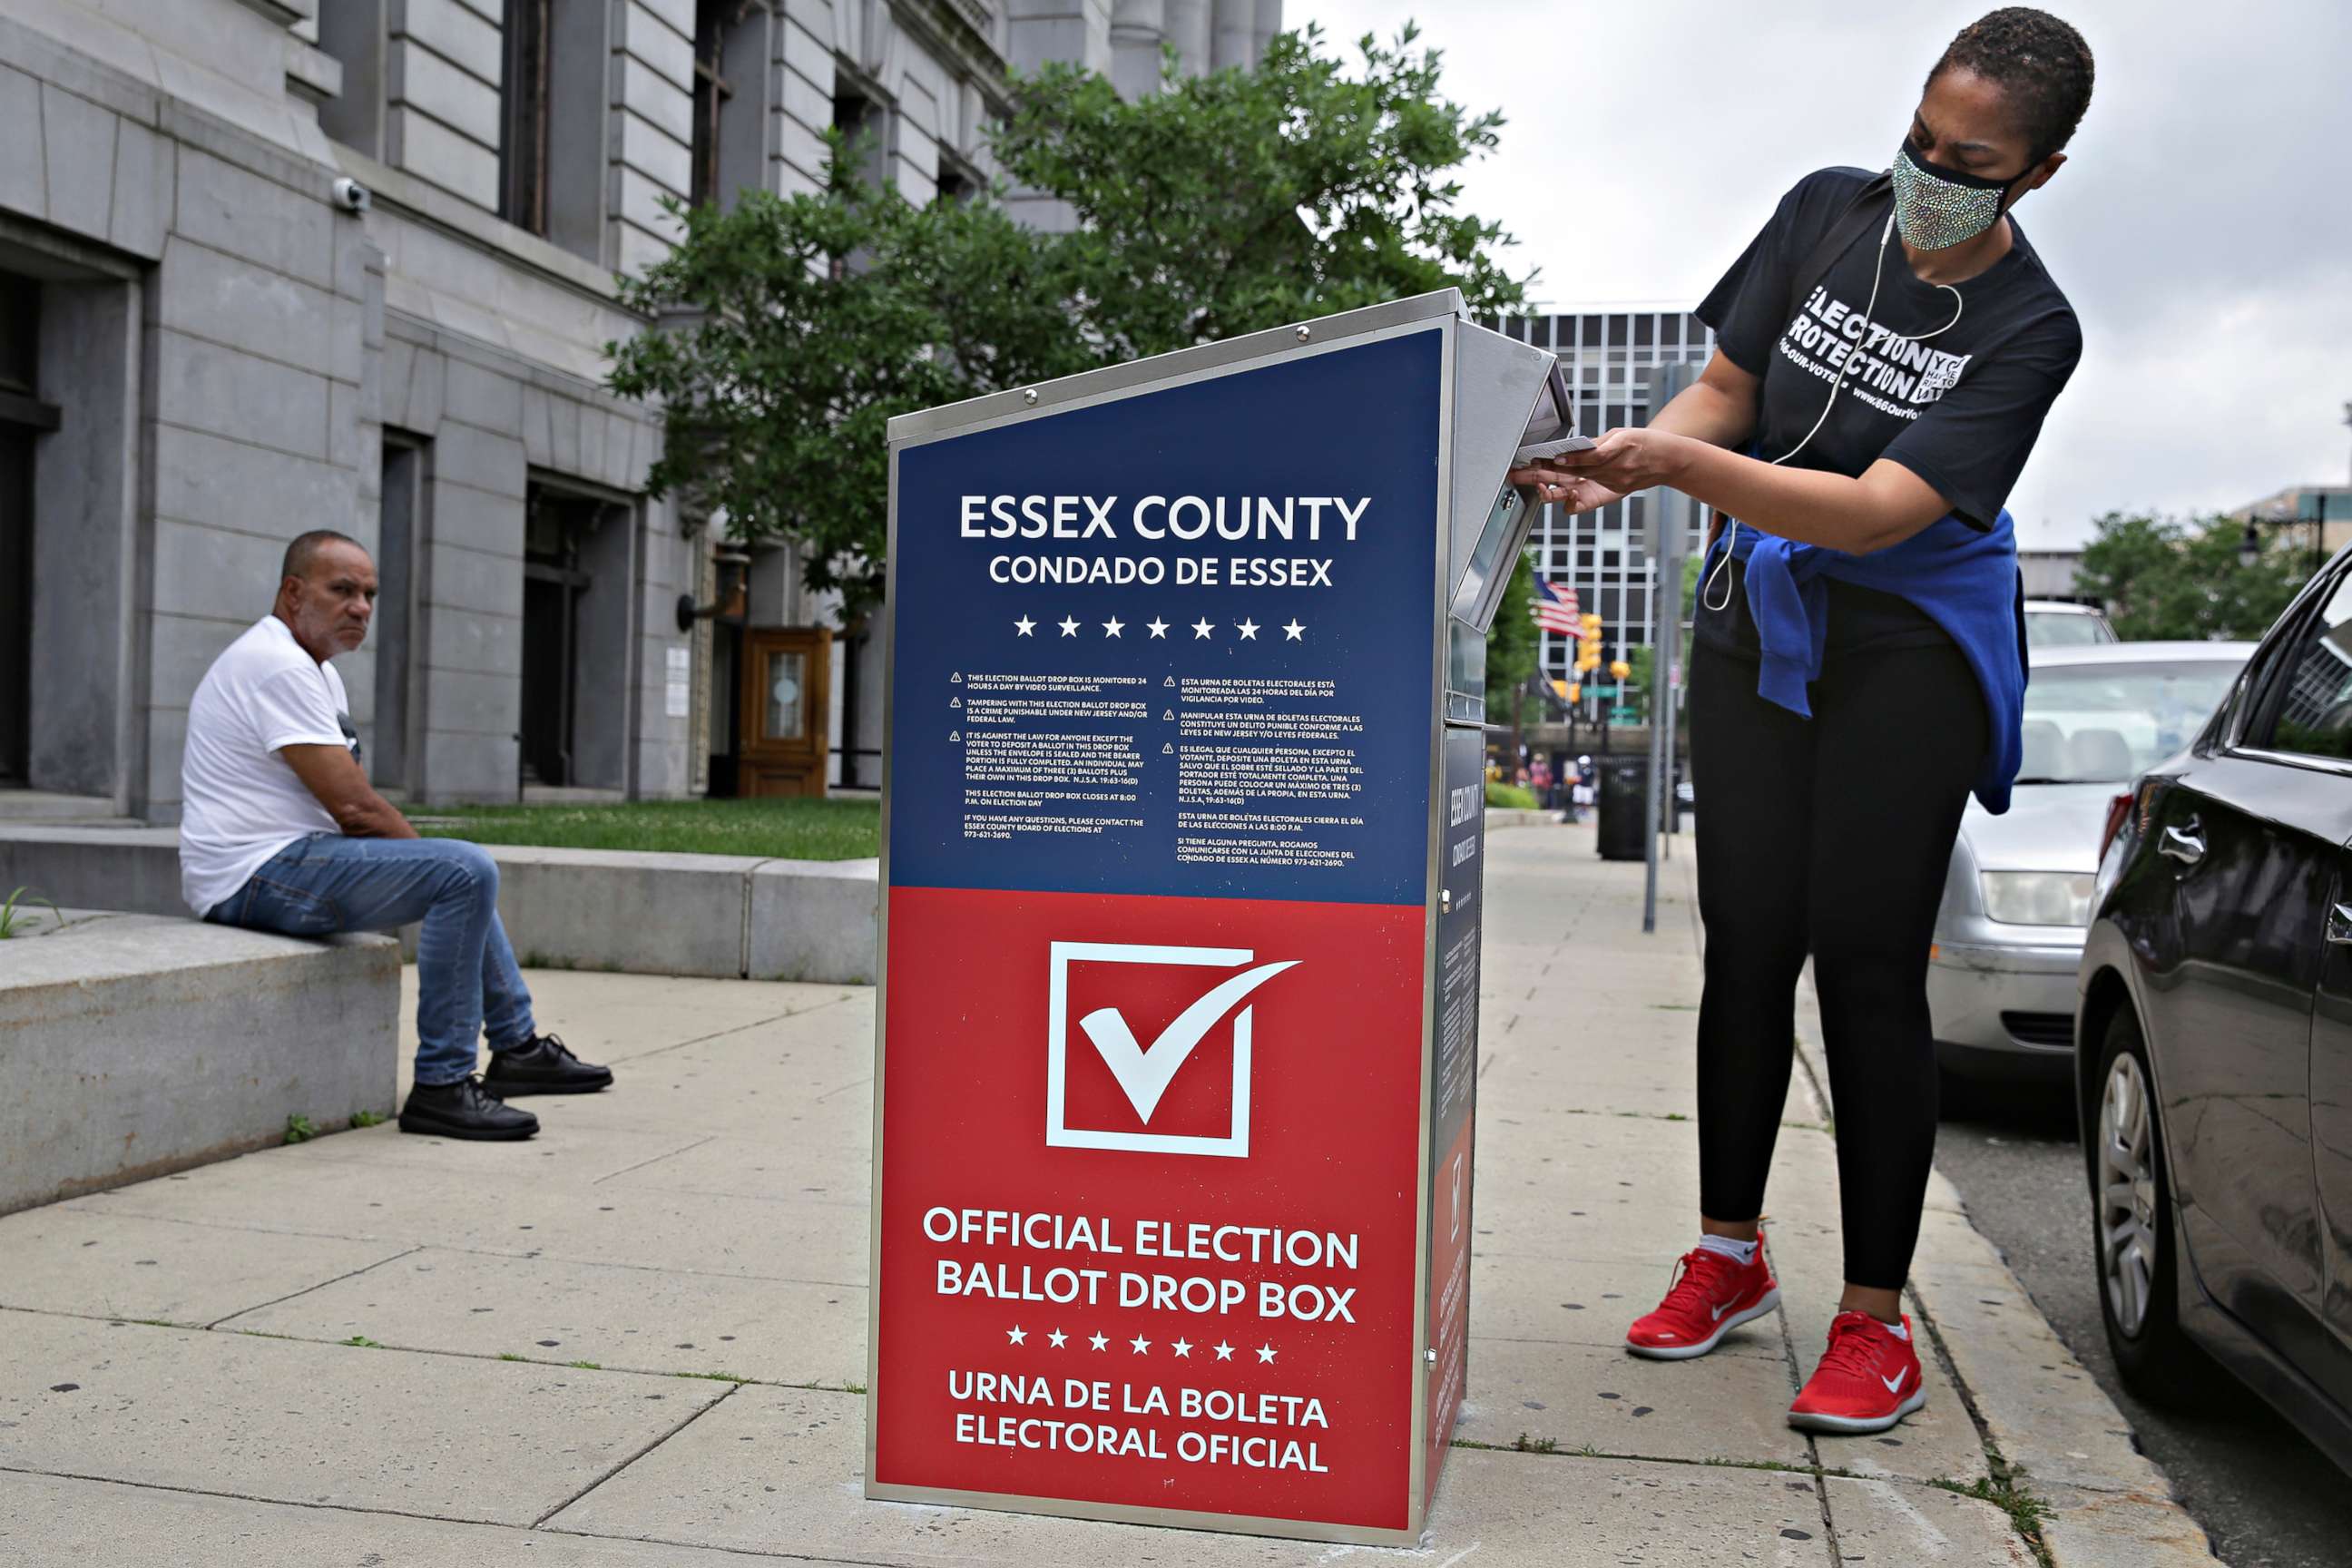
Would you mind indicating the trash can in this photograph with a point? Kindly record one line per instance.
(1182, 884)
(1624, 788)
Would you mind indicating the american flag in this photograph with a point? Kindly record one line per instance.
(1555, 608)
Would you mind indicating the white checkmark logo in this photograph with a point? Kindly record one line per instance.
(1145, 1074)
(1894, 1384)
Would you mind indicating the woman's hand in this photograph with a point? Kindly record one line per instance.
(1629, 459)
(1572, 493)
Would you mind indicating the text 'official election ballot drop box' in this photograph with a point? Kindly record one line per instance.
(1182, 839)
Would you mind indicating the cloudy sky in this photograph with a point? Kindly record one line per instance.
(2202, 229)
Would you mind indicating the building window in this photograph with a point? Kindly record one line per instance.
(578, 667)
(400, 543)
(523, 140)
(711, 91)
(861, 121)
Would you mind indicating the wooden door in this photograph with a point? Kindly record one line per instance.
(785, 681)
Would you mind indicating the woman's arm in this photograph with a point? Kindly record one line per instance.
(1885, 506)
(1719, 408)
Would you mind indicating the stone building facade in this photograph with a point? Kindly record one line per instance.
(274, 265)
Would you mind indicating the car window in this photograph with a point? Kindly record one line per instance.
(2109, 723)
(2056, 628)
(2313, 715)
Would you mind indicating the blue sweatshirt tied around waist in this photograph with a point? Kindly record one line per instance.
(1963, 578)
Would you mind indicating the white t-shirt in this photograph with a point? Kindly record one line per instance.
(240, 802)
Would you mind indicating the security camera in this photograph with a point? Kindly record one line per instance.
(351, 196)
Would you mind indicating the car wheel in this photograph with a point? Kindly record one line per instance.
(2134, 1243)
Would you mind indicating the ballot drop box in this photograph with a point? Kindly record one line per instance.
(1183, 828)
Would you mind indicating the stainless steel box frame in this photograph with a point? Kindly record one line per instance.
(1493, 383)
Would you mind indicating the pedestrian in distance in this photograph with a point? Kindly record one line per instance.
(1885, 352)
(281, 831)
(1580, 792)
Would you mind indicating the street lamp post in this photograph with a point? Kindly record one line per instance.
(2250, 548)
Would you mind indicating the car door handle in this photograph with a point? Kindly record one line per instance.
(2186, 845)
(2339, 925)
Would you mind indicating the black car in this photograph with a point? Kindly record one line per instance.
(2215, 1022)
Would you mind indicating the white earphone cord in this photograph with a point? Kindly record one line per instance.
(1707, 589)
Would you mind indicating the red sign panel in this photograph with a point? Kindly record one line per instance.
(1148, 1185)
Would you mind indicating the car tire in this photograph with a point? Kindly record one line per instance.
(2134, 1246)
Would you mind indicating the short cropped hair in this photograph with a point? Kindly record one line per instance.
(303, 553)
(2039, 62)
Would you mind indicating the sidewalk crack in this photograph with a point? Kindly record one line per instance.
(739, 1028)
(691, 1418)
(321, 1285)
(2002, 1485)
(653, 1158)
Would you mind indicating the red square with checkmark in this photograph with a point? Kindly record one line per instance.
(1222, 1063)
(1149, 1045)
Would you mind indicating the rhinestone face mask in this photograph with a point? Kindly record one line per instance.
(1935, 208)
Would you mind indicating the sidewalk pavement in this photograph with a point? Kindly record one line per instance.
(638, 1340)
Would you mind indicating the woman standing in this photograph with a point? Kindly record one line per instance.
(1885, 352)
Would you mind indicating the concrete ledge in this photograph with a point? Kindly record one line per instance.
(136, 1045)
(133, 869)
(814, 919)
(720, 916)
(637, 913)
(725, 916)
(1518, 816)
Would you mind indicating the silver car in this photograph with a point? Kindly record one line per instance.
(2055, 623)
(2009, 937)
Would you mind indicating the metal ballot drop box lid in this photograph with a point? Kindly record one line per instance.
(1183, 805)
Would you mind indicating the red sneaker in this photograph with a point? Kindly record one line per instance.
(1867, 1381)
(1712, 1296)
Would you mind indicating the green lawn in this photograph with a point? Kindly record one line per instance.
(784, 830)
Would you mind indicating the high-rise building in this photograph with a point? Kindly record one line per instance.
(1610, 357)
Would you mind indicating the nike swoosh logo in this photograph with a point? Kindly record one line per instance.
(1144, 1074)
(1894, 1384)
(1719, 1311)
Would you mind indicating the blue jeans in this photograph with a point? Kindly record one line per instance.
(467, 978)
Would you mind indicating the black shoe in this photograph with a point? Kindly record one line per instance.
(543, 1067)
(461, 1109)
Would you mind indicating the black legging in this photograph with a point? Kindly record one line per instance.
(1830, 835)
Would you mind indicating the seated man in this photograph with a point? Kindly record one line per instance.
(281, 831)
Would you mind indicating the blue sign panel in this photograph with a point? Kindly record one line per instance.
(1176, 643)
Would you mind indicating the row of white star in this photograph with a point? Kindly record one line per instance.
(1139, 1344)
(1025, 627)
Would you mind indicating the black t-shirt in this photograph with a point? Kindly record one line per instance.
(1960, 407)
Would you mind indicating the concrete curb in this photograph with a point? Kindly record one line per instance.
(2063, 1439)
(720, 916)
(135, 1047)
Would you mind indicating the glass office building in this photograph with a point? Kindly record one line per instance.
(1609, 357)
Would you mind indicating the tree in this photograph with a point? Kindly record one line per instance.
(2166, 578)
(1511, 642)
(793, 329)
(1237, 200)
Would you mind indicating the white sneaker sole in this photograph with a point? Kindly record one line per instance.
(1770, 1304)
(1850, 1425)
